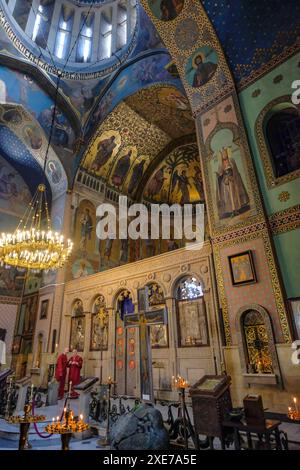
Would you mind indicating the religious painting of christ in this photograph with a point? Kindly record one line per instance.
(201, 66)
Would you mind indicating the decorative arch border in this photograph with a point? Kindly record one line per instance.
(93, 300)
(241, 339)
(264, 151)
(150, 282)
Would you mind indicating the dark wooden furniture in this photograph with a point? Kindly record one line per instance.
(267, 435)
(254, 410)
(211, 401)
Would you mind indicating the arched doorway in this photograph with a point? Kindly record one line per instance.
(126, 344)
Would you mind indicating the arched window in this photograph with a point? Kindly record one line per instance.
(189, 288)
(257, 343)
(64, 34)
(77, 326)
(282, 133)
(105, 43)
(42, 23)
(21, 12)
(122, 25)
(191, 313)
(85, 38)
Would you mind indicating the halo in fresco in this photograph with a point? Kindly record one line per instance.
(201, 66)
(82, 268)
(32, 136)
(122, 165)
(186, 34)
(166, 10)
(104, 148)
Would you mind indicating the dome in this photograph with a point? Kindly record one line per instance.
(85, 38)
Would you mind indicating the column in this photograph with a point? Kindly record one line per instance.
(87, 339)
(173, 338)
(32, 17)
(54, 26)
(75, 32)
(114, 27)
(96, 35)
(111, 356)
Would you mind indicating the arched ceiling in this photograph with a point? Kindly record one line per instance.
(135, 133)
(254, 36)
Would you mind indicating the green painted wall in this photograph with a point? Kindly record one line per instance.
(251, 108)
(288, 252)
(287, 244)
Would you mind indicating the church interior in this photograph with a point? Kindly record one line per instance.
(149, 102)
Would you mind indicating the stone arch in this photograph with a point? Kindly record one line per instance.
(239, 323)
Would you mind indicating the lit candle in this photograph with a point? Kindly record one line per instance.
(57, 418)
(295, 402)
(81, 417)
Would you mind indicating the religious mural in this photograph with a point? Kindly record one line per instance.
(229, 179)
(178, 178)
(85, 252)
(24, 143)
(22, 89)
(201, 66)
(166, 10)
(138, 75)
(99, 326)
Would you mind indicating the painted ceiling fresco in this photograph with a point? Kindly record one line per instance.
(23, 143)
(162, 106)
(251, 33)
(255, 32)
(134, 134)
(22, 89)
(178, 178)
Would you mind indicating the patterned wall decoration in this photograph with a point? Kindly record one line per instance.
(161, 105)
(210, 68)
(255, 35)
(124, 135)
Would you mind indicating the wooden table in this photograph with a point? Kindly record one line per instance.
(270, 427)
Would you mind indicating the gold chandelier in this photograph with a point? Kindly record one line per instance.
(34, 245)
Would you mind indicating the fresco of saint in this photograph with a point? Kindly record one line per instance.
(232, 197)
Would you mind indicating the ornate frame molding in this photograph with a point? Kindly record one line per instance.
(241, 338)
